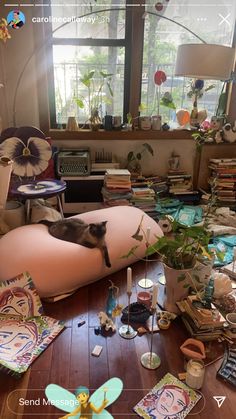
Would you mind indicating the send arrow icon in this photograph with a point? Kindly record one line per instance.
(219, 400)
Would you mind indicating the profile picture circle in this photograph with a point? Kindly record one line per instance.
(16, 19)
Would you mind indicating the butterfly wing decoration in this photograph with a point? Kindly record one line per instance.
(62, 399)
(66, 401)
(110, 390)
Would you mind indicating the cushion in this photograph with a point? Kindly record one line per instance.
(57, 266)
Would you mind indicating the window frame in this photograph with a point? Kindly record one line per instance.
(125, 42)
(133, 44)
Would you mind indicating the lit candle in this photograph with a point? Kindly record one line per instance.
(129, 280)
(154, 295)
(195, 373)
(148, 234)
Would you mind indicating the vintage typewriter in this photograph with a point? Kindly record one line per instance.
(74, 162)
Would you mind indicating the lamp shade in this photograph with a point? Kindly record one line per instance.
(205, 61)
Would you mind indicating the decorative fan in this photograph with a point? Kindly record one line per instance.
(28, 149)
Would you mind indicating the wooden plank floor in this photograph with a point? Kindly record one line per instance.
(68, 361)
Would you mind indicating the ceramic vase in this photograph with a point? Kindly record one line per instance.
(175, 290)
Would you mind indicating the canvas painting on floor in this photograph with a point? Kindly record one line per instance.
(24, 331)
(170, 398)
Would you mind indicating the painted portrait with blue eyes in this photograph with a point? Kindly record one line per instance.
(17, 340)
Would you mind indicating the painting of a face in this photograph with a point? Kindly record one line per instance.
(16, 339)
(16, 301)
(171, 401)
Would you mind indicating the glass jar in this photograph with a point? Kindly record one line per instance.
(195, 373)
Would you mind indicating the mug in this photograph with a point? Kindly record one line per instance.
(145, 122)
(117, 122)
(156, 122)
(231, 319)
(108, 122)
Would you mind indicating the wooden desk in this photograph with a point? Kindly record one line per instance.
(68, 361)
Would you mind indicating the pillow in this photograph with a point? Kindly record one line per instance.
(57, 266)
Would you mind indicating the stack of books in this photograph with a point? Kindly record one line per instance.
(158, 184)
(117, 187)
(230, 270)
(203, 324)
(223, 173)
(179, 182)
(143, 197)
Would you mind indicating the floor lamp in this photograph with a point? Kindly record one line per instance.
(205, 61)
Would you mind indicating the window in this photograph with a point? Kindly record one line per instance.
(89, 40)
(213, 23)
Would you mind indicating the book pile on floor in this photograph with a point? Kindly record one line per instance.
(203, 324)
(179, 182)
(230, 270)
(158, 184)
(117, 187)
(143, 197)
(223, 173)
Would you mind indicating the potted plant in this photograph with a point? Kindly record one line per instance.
(96, 82)
(129, 124)
(134, 159)
(179, 251)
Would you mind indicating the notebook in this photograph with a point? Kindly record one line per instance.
(24, 331)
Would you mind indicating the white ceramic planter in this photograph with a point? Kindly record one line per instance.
(175, 291)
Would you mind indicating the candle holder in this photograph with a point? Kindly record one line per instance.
(146, 282)
(151, 360)
(126, 331)
(162, 280)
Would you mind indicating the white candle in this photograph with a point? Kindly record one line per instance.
(195, 373)
(129, 280)
(148, 234)
(154, 295)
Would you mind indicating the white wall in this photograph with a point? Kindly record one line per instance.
(13, 56)
(158, 164)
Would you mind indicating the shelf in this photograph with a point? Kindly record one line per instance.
(120, 135)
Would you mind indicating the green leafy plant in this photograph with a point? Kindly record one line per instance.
(184, 247)
(129, 118)
(201, 137)
(97, 82)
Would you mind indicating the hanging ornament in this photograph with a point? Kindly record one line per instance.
(159, 6)
(159, 77)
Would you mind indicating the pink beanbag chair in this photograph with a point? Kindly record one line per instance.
(57, 266)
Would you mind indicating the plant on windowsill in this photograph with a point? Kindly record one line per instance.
(134, 159)
(95, 82)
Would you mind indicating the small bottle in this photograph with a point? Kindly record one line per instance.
(194, 114)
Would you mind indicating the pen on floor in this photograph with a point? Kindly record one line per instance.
(81, 323)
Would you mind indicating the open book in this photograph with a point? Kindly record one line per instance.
(170, 398)
(24, 331)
